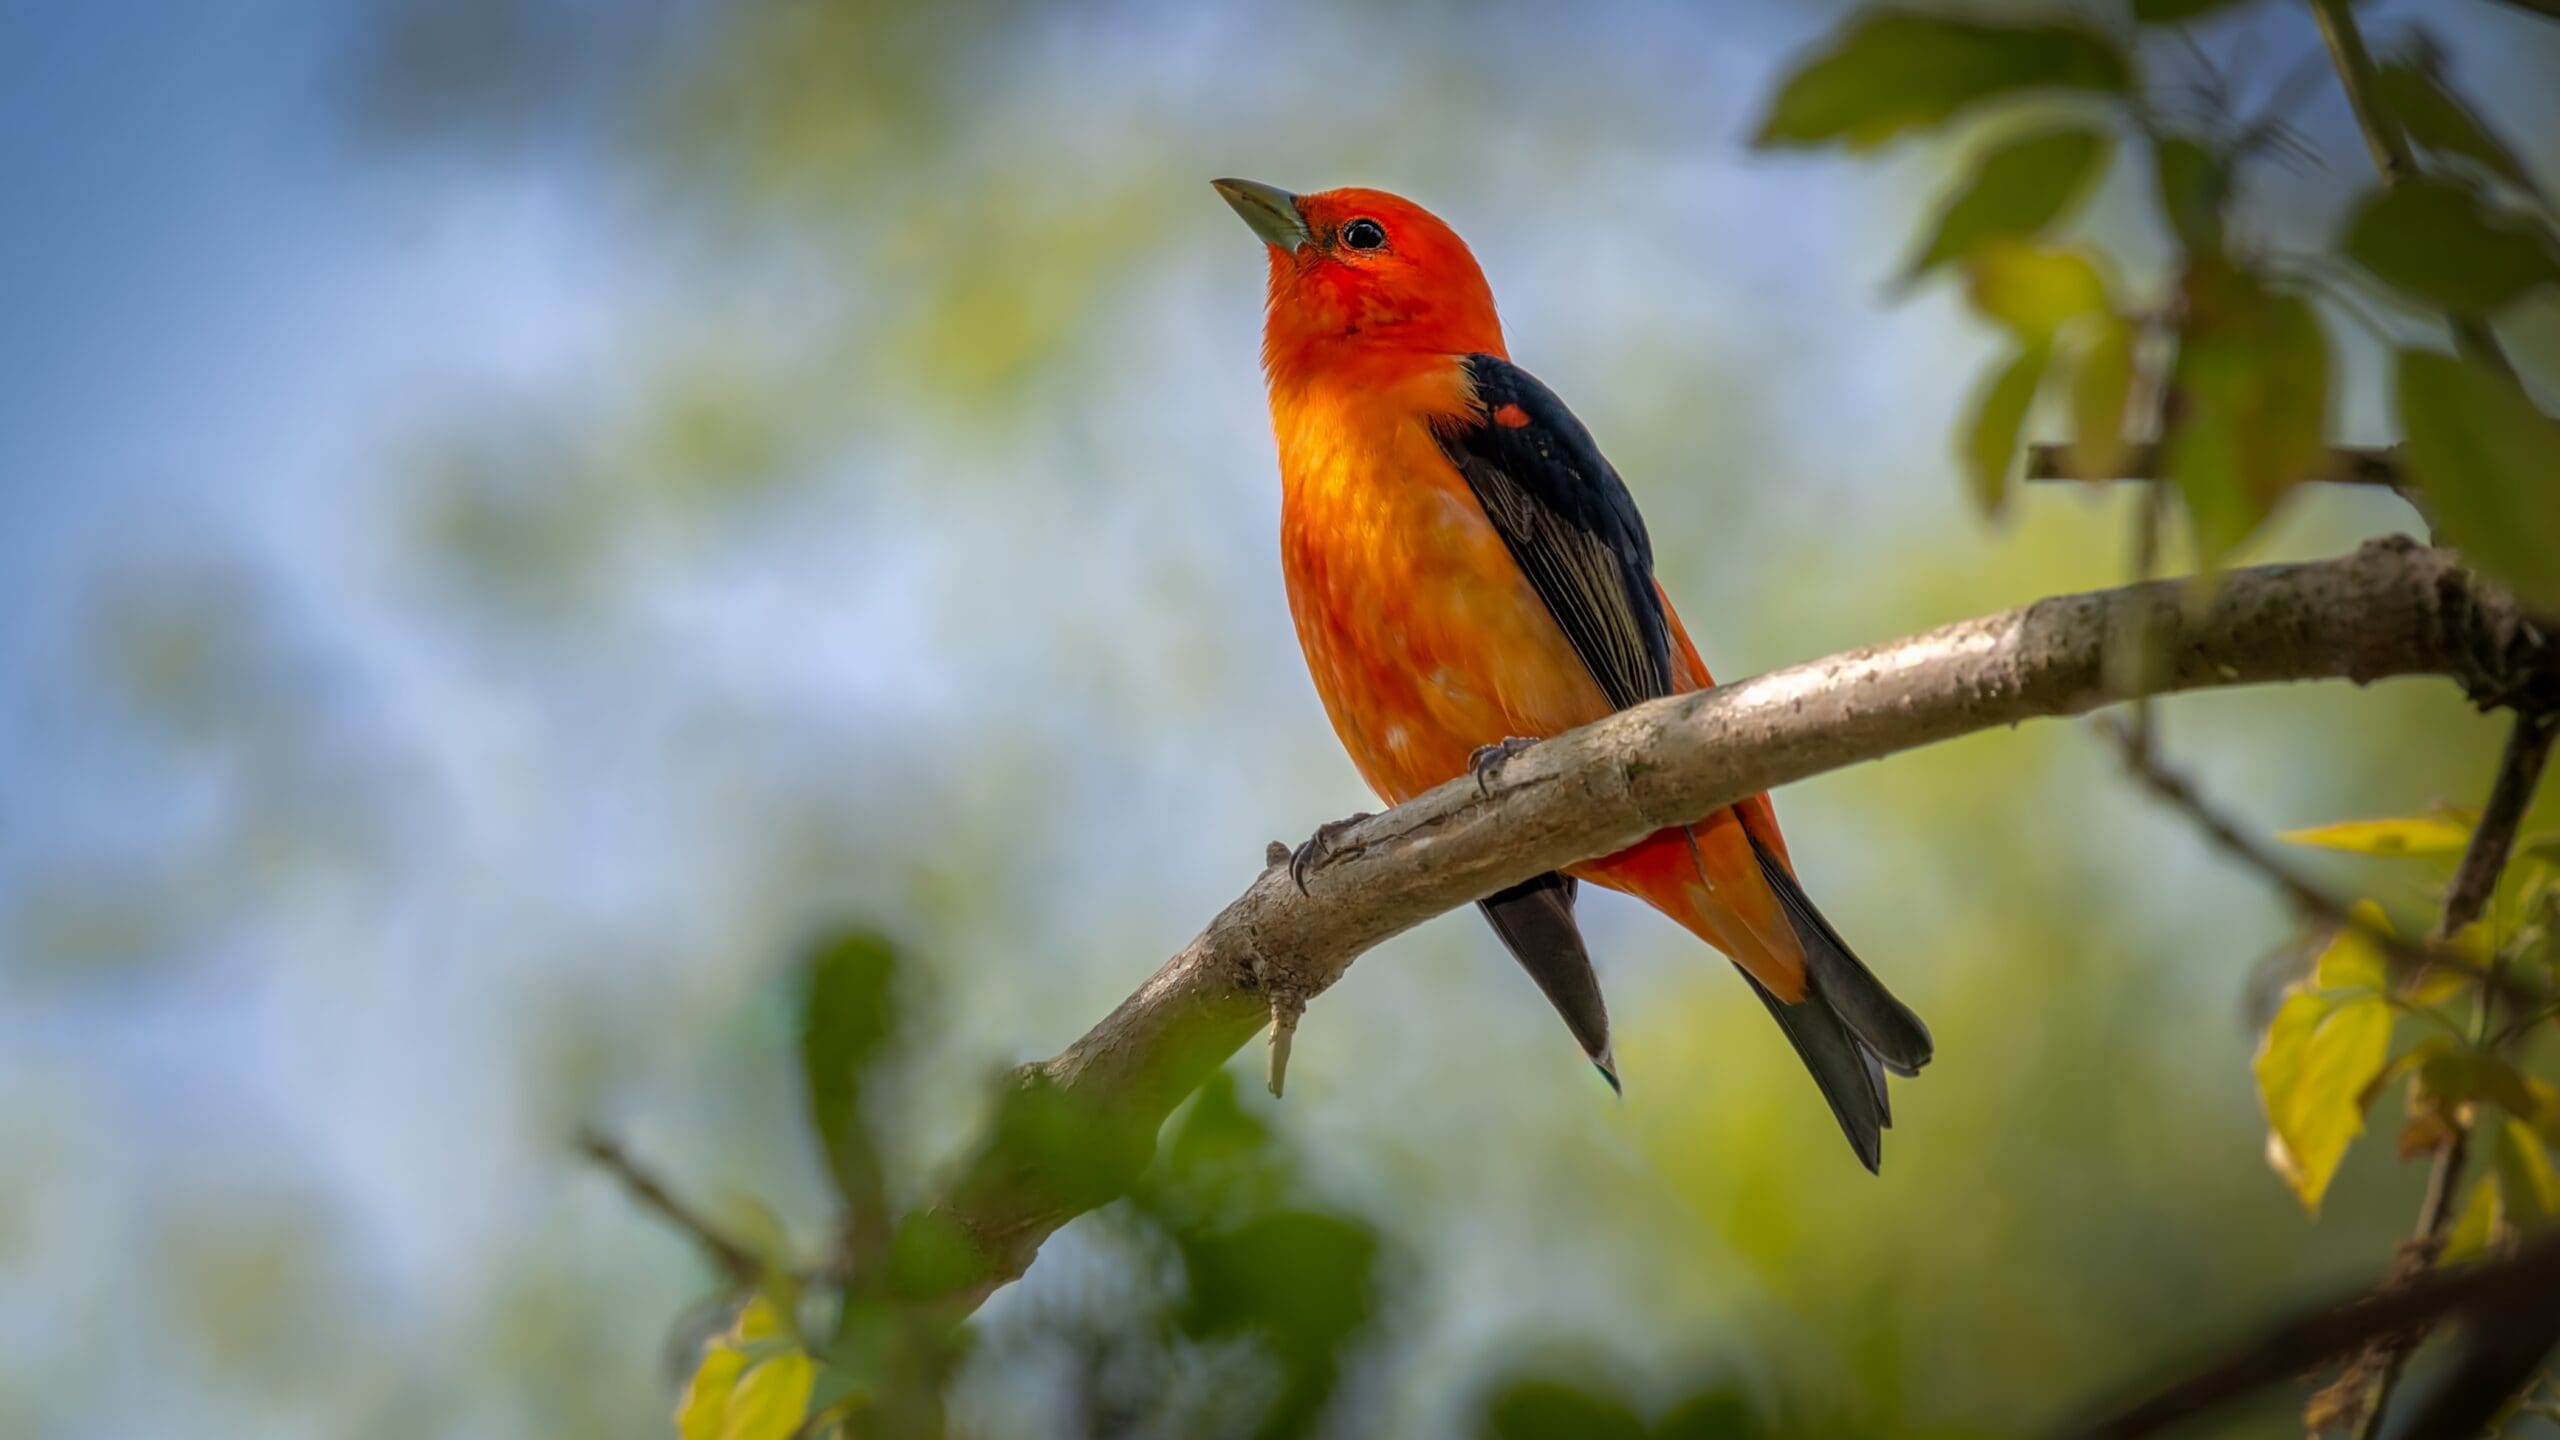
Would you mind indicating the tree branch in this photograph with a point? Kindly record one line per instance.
(2340, 465)
(2391, 608)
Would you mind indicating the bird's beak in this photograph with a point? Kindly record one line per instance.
(1270, 210)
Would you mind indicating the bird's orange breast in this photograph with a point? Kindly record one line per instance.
(1424, 638)
(1426, 641)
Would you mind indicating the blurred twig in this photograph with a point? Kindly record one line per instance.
(2390, 608)
(2314, 903)
(650, 1193)
(2484, 859)
(2547, 9)
(2344, 465)
(2506, 1303)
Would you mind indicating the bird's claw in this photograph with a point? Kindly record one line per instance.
(1317, 851)
(1487, 760)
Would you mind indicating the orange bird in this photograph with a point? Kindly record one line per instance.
(1468, 576)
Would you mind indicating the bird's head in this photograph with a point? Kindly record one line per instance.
(1362, 275)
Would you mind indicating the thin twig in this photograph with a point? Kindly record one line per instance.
(2484, 859)
(2389, 146)
(2547, 9)
(2313, 903)
(2487, 1294)
(2493, 838)
(731, 1258)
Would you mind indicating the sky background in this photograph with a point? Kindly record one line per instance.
(517, 512)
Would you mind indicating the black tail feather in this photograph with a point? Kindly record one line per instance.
(1535, 920)
(1838, 980)
(1850, 1076)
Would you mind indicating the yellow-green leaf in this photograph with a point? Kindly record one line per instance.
(760, 1319)
(1991, 436)
(2475, 1226)
(2019, 189)
(2528, 1189)
(2033, 289)
(2411, 835)
(2353, 963)
(2545, 1115)
(2101, 384)
(2435, 985)
(2252, 378)
(703, 1409)
(2489, 463)
(771, 1399)
(2314, 1071)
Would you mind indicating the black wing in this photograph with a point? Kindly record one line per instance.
(1569, 523)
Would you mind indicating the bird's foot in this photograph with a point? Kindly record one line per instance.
(1487, 760)
(1319, 851)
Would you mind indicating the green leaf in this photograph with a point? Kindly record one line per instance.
(2178, 12)
(1991, 437)
(2437, 241)
(2460, 1077)
(2101, 387)
(1301, 1278)
(2352, 964)
(848, 1017)
(2528, 1189)
(2414, 90)
(2252, 389)
(2412, 835)
(2032, 289)
(2489, 463)
(2194, 186)
(1889, 71)
(2016, 192)
(1530, 1409)
(2316, 1066)
(1301, 1282)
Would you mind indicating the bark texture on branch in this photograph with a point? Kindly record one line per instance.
(2391, 608)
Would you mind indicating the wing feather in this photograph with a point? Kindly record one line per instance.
(1569, 524)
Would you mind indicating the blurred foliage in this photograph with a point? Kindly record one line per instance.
(2243, 405)
(1264, 1291)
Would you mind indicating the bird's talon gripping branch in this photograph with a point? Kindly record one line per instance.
(1318, 850)
(1487, 761)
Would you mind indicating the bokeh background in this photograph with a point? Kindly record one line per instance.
(518, 511)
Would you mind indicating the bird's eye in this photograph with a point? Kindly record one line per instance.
(1364, 234)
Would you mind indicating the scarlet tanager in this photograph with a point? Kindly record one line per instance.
(1467, 573)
